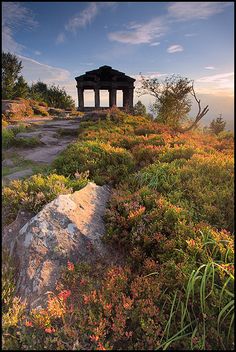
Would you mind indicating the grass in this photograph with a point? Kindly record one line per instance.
(9, 137)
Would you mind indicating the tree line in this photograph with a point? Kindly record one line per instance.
(15, 86)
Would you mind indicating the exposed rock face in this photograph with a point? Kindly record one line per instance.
(16, 108)
(68, 228)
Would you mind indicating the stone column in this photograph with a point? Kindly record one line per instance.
(125, 98)
(81, 97)
(97, 98)
(128, 98)
(112, 97)
(131, 97)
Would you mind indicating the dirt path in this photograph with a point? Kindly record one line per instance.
(54, 136)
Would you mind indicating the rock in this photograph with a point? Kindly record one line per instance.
(7, 162)
(28, 134)
(48, 140)
(19, 174)
(17, 108)
(68, 228)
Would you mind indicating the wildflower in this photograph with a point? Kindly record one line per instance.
(94, 338)
(86, 299)
(101, 347)
(136, 213)
(191, 243)
(70, 266)
(28, 323)
(50, 330)
(128, 334)
(64, 294)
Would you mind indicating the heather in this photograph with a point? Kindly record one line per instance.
(170, 216)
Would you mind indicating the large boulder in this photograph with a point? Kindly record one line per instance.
(68, 228)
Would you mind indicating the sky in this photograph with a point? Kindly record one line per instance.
(57, 41)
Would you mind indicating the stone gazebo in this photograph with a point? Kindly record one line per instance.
(105, 77)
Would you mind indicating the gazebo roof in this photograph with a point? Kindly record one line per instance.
(105, 73)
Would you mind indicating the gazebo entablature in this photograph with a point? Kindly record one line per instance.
(109, 79)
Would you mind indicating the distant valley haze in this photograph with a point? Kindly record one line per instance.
(57, 41)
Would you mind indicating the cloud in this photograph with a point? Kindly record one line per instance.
(221, 77)
(222, 83)
(15, 16)
(186, 11)
(85, 17)
(209, 67)
(34, 70)
(146, 33)
(140, 33)
(60, 38)
(155, 43)
(175, 48)
(37, 52)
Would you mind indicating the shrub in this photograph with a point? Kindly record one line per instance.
(7, 137)
(204, 184)
(40, 110)
(104, 162)
(36, 191)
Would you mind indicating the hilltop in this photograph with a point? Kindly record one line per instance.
(170, 218)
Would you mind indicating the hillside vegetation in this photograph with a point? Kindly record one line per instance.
(171, 217)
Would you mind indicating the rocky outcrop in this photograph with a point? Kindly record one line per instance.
(16, 108)
(68, 228)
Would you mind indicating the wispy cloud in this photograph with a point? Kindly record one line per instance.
(85, 17)
(60, 38)
(140, 33)
(14, 17)
(209, 67)
(37, 52)
(175, 48)
(148, 32)
(34, 70)
(222, 83)
(221, 77)
(186, 11)
(155, 43)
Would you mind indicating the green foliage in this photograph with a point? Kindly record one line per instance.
(168, 218)
(204, 184)
(9, 138)
(11, 67)
(104, 162)
(217, 125)
(21, 88)
(139, 108)
(172, 102)
(53, 96)
(36, 191)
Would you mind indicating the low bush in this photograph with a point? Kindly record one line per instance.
(104, 162)
(36, 191)
(40, 110)
(7, 137)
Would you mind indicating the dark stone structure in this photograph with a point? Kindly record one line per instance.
(105, 77)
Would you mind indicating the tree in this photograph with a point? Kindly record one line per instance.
(11, 68)
(173, 101)
(218, 125)
(21, 88)
(139, 108)
(53, 95)
(58, 98)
